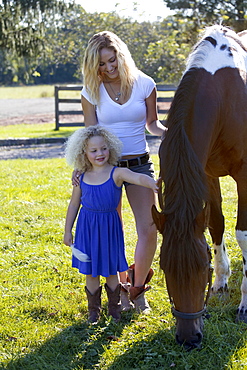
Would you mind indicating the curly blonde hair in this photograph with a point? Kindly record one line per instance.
(126, 65)
(75, 151)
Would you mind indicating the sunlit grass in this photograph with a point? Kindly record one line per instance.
(34, 91)
(44, 91)
(43, 305)
(41, 130)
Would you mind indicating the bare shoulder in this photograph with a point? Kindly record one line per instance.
(119, 175)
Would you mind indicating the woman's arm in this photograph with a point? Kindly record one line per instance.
(154, 126)
(71, 215)
(88, 109)
(90, 119)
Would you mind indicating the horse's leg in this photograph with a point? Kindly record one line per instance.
(241, 236)
(216, 227)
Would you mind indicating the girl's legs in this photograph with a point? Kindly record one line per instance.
(93, 292)
(113, 288)
(112, 281)
(92, 283)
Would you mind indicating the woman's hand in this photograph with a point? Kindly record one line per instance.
(76, 177)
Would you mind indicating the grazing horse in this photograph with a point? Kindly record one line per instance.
(206, 139)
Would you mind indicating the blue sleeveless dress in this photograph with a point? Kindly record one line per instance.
(99, 231)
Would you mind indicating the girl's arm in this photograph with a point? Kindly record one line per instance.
(71, 215)
(124, 174)
(154, 126)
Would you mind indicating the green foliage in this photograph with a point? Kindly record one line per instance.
(22, 24)
(153, 47)
(22, 35)
(43, 304)
(44, 41)
(207, 12)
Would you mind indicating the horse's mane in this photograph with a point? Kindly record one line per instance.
(184, 191)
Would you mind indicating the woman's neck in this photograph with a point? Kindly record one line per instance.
(116, 80)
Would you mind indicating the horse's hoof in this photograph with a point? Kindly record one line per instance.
(241, 316)
(221, 292)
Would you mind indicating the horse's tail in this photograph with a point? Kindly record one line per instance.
(185, 190)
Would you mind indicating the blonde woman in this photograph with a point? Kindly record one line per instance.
(121, 98)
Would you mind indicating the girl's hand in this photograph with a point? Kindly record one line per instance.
(76, 177)
(68, 238)
(158, 184)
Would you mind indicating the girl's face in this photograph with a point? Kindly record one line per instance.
(97, 151)
(108, 63)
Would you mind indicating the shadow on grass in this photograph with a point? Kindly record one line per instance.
(79, 346)
(159, 350)
(83, 346)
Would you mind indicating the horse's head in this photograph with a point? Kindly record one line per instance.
(187, 274)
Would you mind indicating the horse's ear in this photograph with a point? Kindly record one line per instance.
(159, 219)
(243, 36)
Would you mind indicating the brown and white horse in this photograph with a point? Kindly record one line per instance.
(206, 139)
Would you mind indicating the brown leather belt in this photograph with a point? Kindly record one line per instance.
(134, 161)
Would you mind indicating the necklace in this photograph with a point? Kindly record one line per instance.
(117, 95)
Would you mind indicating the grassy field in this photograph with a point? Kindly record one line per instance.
(43, 304)
(41, 91)
(41, 130)
(34, 91)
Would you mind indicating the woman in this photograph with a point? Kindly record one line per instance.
(123, 99)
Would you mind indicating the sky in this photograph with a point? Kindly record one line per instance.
(145, 10)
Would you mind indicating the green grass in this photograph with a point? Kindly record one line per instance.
(45, 91)
(43, 304)
(41, 130)
(34, 91)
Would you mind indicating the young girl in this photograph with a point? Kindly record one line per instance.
(99, 234)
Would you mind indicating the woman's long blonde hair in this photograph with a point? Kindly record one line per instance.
(75, 151)
(126, 65)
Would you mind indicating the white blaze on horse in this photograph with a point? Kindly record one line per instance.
(206, 139)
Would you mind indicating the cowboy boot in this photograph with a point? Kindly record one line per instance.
(114, 305)
(94, 305)
(137, 293)
(139, 300)
(126, 304)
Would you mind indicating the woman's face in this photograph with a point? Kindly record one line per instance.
(108, 63)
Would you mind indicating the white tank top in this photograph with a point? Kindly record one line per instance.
(126, 121)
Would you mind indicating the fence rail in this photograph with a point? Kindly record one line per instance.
(163, 104)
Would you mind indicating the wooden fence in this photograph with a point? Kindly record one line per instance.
(163, 104)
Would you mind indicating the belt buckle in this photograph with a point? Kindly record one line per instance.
(126, 161)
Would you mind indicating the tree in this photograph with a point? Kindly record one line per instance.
(159, 48)
(207, 12)
(22, 24)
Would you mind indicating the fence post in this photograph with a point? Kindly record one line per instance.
(56, 108)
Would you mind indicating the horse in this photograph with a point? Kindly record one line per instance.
(206, 139)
